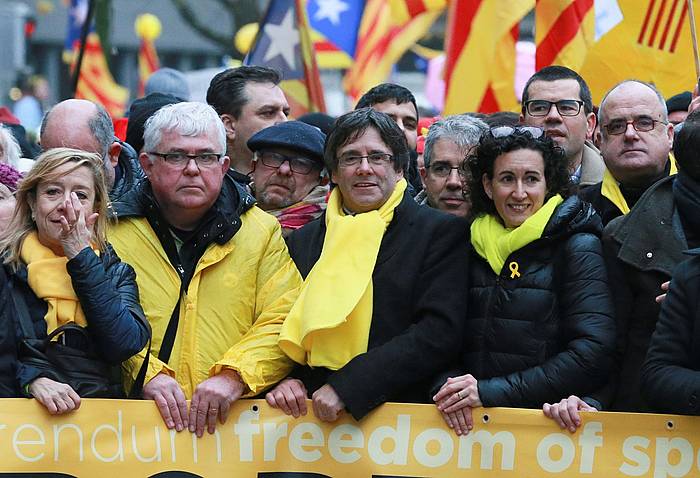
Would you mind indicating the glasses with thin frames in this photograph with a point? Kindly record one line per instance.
(298, 165)
(374, 159)
(564, 107)
(443, 170)
(640, 123)
(181, 160)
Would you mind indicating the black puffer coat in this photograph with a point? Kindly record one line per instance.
(109, 298)
(549, 332)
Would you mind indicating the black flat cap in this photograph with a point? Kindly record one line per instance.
(294, 135)
(679, 102)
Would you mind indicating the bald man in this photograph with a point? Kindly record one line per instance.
(84, 125)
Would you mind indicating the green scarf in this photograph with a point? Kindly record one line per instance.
(494, 242)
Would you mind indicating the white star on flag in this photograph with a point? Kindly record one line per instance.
(283, 39)
(330, 10)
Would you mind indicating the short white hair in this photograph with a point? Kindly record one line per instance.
(187, 119)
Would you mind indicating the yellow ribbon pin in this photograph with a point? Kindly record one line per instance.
(513, 266)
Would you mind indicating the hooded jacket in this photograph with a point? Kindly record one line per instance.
(548, 332)
(242, 285)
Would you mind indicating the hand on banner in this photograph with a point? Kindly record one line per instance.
(327, 404)
(664, 288)
(213, 398)
(171, 402)
(565, 413)
(457, 393)
(289, 396)
(57, 397)
(460, 421)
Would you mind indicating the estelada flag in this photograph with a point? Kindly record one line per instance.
(284, 43)
(334, 28)
(480, 50)
(652, 43)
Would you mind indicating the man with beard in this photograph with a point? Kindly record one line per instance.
(558, 100)
(288, 173)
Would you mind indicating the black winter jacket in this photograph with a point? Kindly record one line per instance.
(671, 374)
(548, 332)
(418, 308)
(109, 297)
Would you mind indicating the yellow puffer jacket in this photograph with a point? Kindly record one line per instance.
(230, 316)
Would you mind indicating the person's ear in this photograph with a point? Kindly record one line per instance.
(488, 185)
(590, 124)
(146, 164)
(114, 151)
(229, 125)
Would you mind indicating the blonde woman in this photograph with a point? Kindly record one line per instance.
(59, 268)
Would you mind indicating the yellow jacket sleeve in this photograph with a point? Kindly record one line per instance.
(257, 356)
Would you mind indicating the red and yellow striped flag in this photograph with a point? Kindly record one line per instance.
(380, 44)
(404, 10)
(96, 83)
(480, 50)
(564, 31)
(148, 28)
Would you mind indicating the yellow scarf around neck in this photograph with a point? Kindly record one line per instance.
(494, 242)
(330, 321)
(49, 280)
(611, 188)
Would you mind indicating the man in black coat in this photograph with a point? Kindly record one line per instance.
(635, 141)
(417, 280)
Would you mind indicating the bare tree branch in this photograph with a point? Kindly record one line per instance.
(187, 13)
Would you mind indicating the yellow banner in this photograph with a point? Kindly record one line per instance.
(124, 438)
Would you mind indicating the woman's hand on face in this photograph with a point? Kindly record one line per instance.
(76, 228)
(457, 393)
(58, 398)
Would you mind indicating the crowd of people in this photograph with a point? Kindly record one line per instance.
(221, 252)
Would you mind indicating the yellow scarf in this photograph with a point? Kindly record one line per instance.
(495, 243)
(611, 188)
(329, 323)
(49, 280)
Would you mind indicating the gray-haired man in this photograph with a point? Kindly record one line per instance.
(449, 141)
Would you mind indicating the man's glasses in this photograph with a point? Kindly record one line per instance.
(298, 165)
(564, 107)
(640, 123)
(442, 170)
(503, 131)
(182, 159)
(374, 159)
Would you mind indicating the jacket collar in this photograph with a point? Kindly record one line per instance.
(647, 237)
(592, 165)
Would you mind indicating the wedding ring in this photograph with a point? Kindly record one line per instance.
(459, 395)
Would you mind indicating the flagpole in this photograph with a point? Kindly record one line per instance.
(83, 40)
(694, 37)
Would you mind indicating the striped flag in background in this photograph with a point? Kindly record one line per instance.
(480, 50)
(335, 24)
(284, 43)
(564, 31)
(650, 41)
(381, 42)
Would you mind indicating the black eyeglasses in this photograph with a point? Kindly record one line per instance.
(182, 159)
(298, 165)
(640, 123)
(442, 170)
(503, 131)
(374, 159)
(542, 107)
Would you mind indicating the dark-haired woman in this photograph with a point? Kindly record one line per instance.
(539, 322)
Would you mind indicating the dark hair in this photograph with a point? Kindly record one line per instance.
(686, 145)
(554, 73)
(502, 118)
(352, 125)
(226, 93)
(386, 92)
(556, 169)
